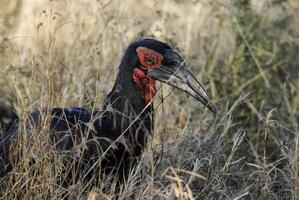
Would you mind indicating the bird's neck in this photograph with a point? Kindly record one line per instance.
(128, 110)
(133, 92)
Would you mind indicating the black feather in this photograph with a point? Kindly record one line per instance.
(116, 136)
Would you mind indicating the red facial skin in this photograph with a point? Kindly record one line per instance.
(148, 59)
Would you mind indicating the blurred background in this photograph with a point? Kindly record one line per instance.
(66, 52)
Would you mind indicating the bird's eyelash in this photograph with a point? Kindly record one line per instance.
(149, 60)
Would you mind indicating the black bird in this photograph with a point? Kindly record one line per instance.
(117, 135)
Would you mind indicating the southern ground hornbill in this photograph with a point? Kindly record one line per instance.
(114, 138)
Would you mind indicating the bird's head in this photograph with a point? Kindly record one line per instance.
(156, 60)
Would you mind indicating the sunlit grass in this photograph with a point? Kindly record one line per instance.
(66, 53)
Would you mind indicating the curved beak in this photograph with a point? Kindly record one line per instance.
(177, 74)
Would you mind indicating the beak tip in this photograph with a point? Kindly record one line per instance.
(212, 108)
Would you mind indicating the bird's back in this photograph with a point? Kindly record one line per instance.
(87, 137)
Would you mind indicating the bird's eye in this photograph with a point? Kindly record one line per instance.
(149, 60)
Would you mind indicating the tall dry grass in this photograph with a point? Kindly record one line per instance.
(66, 53)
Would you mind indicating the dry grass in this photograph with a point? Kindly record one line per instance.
(66, 53)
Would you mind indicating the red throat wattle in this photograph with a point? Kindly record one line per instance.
(145, 85)
(149, 59)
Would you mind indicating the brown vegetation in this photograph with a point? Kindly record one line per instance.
(66, 53)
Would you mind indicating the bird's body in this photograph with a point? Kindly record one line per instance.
(115, 137)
